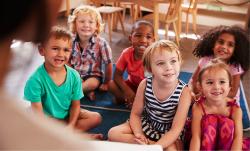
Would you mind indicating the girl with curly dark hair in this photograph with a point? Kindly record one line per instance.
(230, 44)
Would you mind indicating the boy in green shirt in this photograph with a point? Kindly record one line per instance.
(55, 89)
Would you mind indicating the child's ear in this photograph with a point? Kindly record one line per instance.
(41, 49)
(130, 38)
(198, 86)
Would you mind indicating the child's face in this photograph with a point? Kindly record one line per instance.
(165, 66)
(215, 84)
(141, 38)
(56, 52)
(86, 25)
(224, 46)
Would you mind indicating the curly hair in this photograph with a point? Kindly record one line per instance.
(85, 9)
(240, 57)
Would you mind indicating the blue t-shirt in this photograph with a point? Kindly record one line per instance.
(56, 100)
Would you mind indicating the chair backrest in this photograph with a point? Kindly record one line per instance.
(192, 4)
(173, 10)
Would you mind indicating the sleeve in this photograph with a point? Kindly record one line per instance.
(203, 61)
(77, 87)
(33, 90)
(236, 70)
(121, 63)
(106, 52)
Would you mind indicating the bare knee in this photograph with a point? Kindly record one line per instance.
(112, 133)
(97, 118)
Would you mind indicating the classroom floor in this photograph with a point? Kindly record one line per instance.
(26, 59)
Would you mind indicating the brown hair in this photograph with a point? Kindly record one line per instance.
(215, 64)
(59, 33)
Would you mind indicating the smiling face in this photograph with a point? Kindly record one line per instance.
(141, 37)
(224, 46)
(165, 66)
(86, 25)
(215, 84)
(56, 53)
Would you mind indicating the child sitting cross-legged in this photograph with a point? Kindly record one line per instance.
(55, 89)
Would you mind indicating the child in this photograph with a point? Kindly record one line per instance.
(54, 89)
(90, 51)
(142, 35)
(217, 119)
(161, 103)
(231, 44)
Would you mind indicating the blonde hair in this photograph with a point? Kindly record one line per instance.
(85, 9)
(161, 45)
(215, 64)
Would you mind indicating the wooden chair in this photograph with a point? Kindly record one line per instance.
(190, 8)
(171, 16)
(110, 13)
(134, 10)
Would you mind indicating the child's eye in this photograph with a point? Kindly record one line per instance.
(137, 35)
(220, 41)
(160, 63)
(173, 61)
(55, 48)
(67, 50)
(222, 82)
(209, 82)
(231, 44)
(149, 37)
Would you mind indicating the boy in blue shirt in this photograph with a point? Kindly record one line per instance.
(55, 89)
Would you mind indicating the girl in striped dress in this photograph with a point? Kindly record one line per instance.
(161, 103)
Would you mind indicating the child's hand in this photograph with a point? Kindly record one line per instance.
(103, 87)
(129, 98)
(141, 139)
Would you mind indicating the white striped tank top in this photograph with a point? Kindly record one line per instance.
(158, 116)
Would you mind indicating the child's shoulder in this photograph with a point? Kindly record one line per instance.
(71, 70)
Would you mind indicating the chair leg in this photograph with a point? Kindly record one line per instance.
(124, 13)
(132, 12)
(177, 34)
(187, 22)
(194, 22)
(121, 22)
(110, 27)
(166, 31)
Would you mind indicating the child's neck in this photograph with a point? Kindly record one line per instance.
(84, 41)
(163, 90)
(58, 75)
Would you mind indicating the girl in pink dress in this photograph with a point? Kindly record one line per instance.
(216, 118)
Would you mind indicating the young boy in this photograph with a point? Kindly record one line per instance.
(90, 51)
(130, 60)
(55, 89)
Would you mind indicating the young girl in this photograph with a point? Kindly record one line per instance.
(216, 118)
(231, 44)
(142, 35)
(89, 50)
(161, 103)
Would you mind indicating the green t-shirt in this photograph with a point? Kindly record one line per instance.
(56, 100)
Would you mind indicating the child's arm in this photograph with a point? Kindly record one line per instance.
(108, 77)
(179, 120)
(193, 82)
(196, 128)
(137, 109)
(238, 130)
(38, 108)
(74, 113)
(235, 86)
(129, 94)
